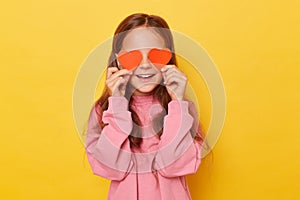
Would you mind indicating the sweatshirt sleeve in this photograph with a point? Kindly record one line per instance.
(178, 153)
(108, 149)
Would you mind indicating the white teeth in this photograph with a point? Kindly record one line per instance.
(145, 75)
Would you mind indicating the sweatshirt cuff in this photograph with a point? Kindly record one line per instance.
(117, 104)
(178, 107)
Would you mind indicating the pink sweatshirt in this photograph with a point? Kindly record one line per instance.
(133, 171)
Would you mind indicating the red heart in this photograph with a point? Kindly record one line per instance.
(131, 59)
(160, 56)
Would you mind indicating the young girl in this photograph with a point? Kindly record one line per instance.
(143, 134)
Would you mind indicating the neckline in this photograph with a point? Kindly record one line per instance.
(143, 99)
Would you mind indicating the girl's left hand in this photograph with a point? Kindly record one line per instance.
(175, 81)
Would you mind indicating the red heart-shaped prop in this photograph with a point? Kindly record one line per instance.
(160, 56)
(131, 59)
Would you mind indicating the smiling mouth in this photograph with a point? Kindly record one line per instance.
(145, 76)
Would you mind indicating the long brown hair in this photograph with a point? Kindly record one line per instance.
(160, 92)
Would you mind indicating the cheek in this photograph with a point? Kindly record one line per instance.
(132, 79)
(159, 77)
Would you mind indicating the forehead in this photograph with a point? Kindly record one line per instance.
(142, 37)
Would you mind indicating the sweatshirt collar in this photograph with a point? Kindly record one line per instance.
(142, 99)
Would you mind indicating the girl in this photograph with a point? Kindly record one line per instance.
(143, 134)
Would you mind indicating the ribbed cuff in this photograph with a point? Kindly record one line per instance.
(178, 107)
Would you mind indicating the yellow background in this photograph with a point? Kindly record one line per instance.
(255, 45)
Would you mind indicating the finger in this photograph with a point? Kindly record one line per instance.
(117, 74)
(126, 77)
(110, 83)
(172, 71)
(167, 67)
(120, 73)
(175, 73)
(110, 71)
(175, 78)
(122, 85)
(164, 70)
(117, 83)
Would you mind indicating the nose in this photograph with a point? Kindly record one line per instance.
(145, 62)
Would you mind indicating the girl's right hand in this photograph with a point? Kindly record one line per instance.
(116, 80)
